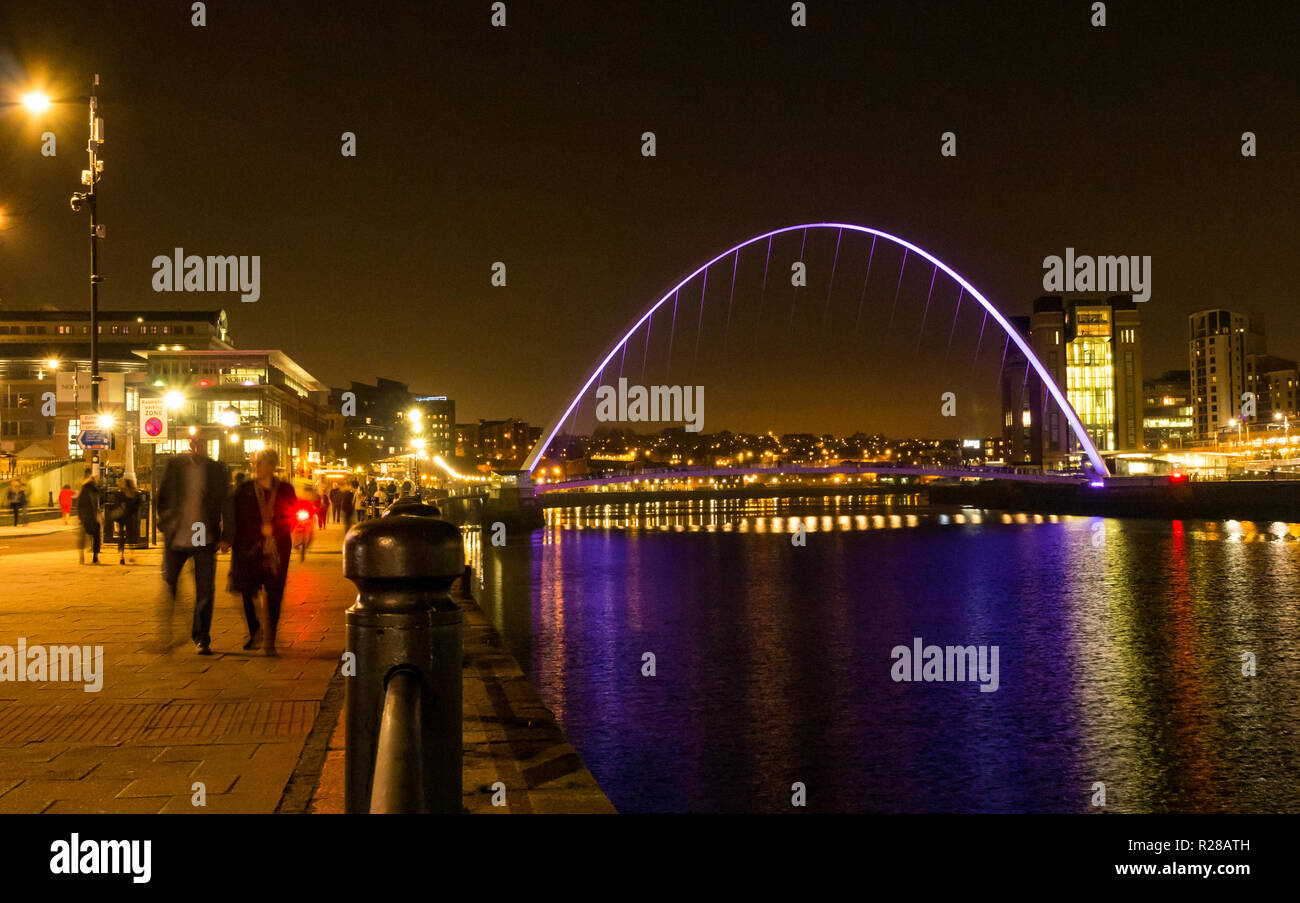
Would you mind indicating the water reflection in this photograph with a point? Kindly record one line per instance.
(1121, 654)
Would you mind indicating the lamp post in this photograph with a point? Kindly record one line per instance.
(38, 102)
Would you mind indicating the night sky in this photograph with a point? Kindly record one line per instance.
(523, 145)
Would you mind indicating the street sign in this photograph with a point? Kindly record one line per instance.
(153, 421)
(92, 439)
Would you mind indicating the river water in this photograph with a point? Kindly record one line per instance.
(1120, 648)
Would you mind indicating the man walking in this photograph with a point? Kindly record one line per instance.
(89, 504)
(193, 512)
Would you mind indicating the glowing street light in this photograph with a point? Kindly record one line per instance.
(35, 101)
(52, 363)
(104, 421)
(230, 416)
(174, 400)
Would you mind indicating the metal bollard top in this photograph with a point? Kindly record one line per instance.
(411, 506)
(404, 547)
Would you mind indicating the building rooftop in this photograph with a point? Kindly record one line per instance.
(275, 358)
(114, 316)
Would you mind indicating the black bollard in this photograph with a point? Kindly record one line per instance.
(404, 621)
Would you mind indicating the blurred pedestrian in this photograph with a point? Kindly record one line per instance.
(14, 499)
(89, 508)
(264, 510)
(322, 505)
(128, 520)
(347, 504)
(336, 502)
(65, 502)
(194, 514)
(358, 501)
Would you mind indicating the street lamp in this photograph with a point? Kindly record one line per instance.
(38, 102)
(174, 400)
(35, 101)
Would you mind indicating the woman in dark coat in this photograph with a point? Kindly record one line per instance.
(128, 520)
(259, 559)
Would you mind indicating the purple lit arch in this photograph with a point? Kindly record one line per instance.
(1075, 424)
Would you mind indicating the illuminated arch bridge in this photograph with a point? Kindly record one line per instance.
(1085, 442)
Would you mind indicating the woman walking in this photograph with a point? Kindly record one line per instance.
(264, 513)
(65, 502)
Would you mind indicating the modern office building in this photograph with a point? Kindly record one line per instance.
(504, 444)
(381, 425)
(1274, 381)
(1168, 420)
(439, 417)
(48, 351)
(1092, 349)
(242, 401)
(50, 328)
(1218, 342)
(1022, 401)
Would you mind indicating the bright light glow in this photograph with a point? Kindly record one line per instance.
(173, 400)
(415, 414)
(52, 363)
(1085, 441)
(417, 444)
(104, 421)
(234, 438)
(230, 417)
(194, 431)
(36, 102)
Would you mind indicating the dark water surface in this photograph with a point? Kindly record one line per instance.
(1120, 656)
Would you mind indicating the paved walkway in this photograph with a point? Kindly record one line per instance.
(38, 528)
(234, 722)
